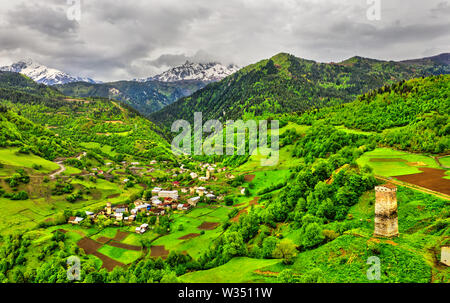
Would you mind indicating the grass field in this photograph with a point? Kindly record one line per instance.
(119, 254)
(104, 148)
(301, 129)
(190, 223)
(353, 131)
(395, 168)
(11, 157)
(285, 160)
(238, 270)
(264, 179)
(445, 161)
(71, 170)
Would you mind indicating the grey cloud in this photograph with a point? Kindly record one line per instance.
(50, 21)
(133, 39)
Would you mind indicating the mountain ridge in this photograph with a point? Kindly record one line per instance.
(43, 74)
(285, 83)
(208, 72)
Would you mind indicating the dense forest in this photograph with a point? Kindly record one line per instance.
(410, 115)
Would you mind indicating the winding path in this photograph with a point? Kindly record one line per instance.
(62, 167)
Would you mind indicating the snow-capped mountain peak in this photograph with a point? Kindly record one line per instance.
(208, 72)
(42, 74)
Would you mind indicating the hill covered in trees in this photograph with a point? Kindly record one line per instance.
(35, 116)
(410, 115)
(286, 84)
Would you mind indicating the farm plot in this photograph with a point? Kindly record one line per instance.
(122, 255)
(389, 163)
(157, 251)
(186, 237)
(112, 252)
(430, 178)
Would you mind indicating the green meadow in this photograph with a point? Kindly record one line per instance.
(104, 148)
(12, 157)
(391, 167)
(237, 270)
(354, 131)
(119, 254)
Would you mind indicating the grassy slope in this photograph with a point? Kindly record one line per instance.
(238, 270)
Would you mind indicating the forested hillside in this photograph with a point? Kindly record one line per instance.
(285, 84)
(410, 115)
(66, 119)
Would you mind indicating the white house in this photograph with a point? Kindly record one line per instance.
(119, 216)
(201, 191)
(168, 194)
(193, 201)
(75, 220)
(156, 190)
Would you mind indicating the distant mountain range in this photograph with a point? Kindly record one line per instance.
(287, 84)
(43, 74)
(189, 71)
(207, 72)
(146, 95)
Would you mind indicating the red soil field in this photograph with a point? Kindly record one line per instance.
(431, 178)
(120, 235)
(90, 246)
(103, 240)
(208, 225)
(249, 178)
(188, 236)
(112, 196)
(107, 262)
(253, 202)
(159, 251)
(387, 160)
(125, 246)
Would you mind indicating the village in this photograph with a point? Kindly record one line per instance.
(162, 201)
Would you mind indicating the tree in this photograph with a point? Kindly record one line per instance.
(286, 276)
(285, 250)
(312, 235)
(268, 246)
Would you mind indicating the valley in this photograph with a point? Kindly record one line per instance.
(93, 177)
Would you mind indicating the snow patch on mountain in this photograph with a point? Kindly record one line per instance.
(207, 72)
(43, 74)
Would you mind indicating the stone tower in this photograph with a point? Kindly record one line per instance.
(386, 218)
(108, 208)
(445, 255)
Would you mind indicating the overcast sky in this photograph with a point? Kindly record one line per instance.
(117, 39)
